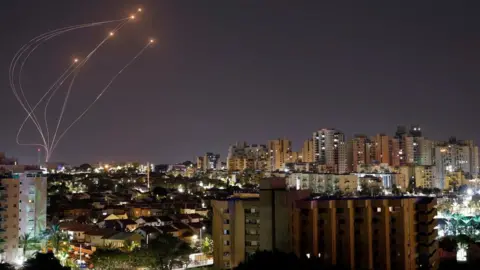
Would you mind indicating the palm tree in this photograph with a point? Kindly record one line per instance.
(130, 246)
(28, 242)
(55, 237)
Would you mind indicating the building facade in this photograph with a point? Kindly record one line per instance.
(330, 150)
(24, 205)
(365, 233)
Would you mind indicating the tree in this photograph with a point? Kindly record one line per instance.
(56, 239)
(109, 259)
(28, 242)
(130, 246)
(85, 167)
(207, 246)
(168, 252)
(43, 261)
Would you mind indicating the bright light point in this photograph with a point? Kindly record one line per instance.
(111, 33)
(75, 60)
(470, 191)
(132, 17)
(151, 40)
(139, 10)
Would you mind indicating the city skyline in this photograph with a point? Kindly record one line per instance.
(358, 69)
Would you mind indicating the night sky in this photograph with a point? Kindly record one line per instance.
(227, 71)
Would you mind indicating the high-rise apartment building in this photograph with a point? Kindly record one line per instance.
(365, 233)
(307, 151)
(211, 161)
(357, 151)
(236, 229)
(419, 176)
(455, 156)
(330, 150)
(24, 204)
(279, 151)
(242, 156)
(405, 144)
(245, 223)
(423, 151)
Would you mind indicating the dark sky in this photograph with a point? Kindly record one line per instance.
(226, 71)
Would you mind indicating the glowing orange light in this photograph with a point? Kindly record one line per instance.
(111, 33)
(132, 17)
(74, 60)
(139, 10)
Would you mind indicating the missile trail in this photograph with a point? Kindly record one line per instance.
(99, 95)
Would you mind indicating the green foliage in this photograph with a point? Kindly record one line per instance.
(207, 246)
(164, 253)
(109, 259)
(56, 239)
(28, 242)
(168, 251)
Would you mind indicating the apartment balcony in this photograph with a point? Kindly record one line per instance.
(252, 237)
(427, 239)
(427, 217)
(427, 250)
(252, 225)
(426, 228)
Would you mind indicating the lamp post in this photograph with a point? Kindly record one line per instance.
(201, 230)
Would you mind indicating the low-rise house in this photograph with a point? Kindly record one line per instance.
(73, 213)
(96, 236)
(143, 211)
(165, 220)
(76, 231)
(148, 221)
(119, 240)
(148, 232)
(195, 218)
(181, 218)
(202, 211)
(127, 225)
(170, 230)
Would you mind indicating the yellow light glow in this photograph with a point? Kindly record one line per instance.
(111, 33)
(75, 60)
(139, 10)
(132, 17)
(152, 40)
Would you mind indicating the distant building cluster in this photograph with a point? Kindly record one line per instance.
(410, 159)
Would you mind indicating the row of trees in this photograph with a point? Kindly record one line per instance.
(165, 253)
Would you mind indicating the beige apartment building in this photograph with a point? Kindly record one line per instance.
(279, 152)
(365, 233)
(245, 223)
(23, 209)
(236, 229)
